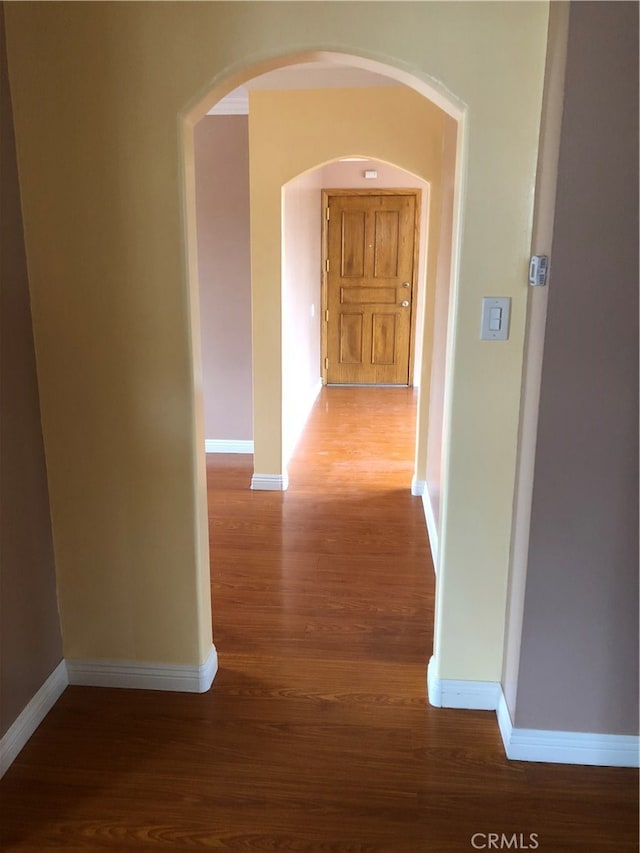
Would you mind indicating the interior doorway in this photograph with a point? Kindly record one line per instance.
(277, 120)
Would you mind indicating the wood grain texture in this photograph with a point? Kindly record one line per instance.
(317, 735)
(371, 245)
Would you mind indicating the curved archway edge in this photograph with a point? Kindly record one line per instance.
(426, 91)
(233, 77)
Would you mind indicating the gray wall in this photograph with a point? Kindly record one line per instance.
(579, 653)
(224, 265)
(30, 641)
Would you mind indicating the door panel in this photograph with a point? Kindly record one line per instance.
(353, 244)
(383, 339)
(386, 243)
(359, 295)
(351, 338)
(370, 253)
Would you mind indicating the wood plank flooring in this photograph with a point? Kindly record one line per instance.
(317, 735)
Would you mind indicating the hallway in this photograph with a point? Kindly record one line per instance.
(317, 734)
(338, 567)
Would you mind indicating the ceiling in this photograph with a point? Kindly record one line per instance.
(307, 75)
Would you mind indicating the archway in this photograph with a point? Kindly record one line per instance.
(304, 318)
(433, 131)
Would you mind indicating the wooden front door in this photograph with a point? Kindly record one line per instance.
(370, 264)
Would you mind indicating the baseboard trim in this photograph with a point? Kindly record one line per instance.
(270, 482)
(32, 715)
(144, 676)
(418, 487)
(219, 445)
(557, 747)
(468, 695)
(432, 527)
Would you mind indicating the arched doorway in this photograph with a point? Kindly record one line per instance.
(282, 146)
(306, 317)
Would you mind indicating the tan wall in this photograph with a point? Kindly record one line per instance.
(30, 641)
(107, 201)
(224, 265)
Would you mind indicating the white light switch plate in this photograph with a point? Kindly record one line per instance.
(495, 318)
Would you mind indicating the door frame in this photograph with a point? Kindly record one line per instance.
(324, 299)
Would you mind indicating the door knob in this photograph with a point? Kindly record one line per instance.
(406, 284)
(405, 303)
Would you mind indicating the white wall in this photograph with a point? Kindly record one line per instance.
(301, 277)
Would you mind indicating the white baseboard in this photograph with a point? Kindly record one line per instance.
(418, 487)
(533, 744)
(557, 747)
(144, 676)
(219, 445)
(432, 527)
(270, 482)
(471, 695)
(31, 717)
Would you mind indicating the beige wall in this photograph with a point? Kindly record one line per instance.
(221, 145)
(108, 202)
(30, 641)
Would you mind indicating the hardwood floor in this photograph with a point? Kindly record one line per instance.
(317, 735)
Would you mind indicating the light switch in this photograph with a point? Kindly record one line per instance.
(495, 318)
